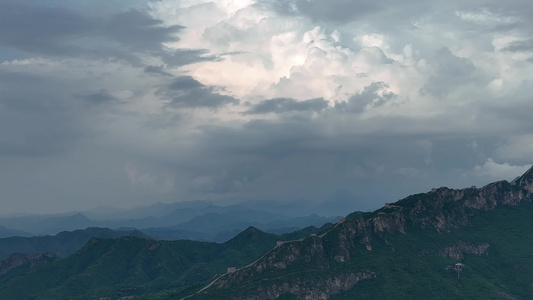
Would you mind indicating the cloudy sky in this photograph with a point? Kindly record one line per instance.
(346, 102)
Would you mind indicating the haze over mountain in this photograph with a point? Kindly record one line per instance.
(196, 220)
(62, 244)
(7, 232)
(471, 243)
(109, 103)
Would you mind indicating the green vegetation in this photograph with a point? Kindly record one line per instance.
(446, 244)
(61, 244)
(134, 266)
(408, 250)
(413, 265)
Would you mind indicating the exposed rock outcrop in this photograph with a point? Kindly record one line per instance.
(19, 260)
(442, 210)
(322, 290)
(458, 251)
(525, 181)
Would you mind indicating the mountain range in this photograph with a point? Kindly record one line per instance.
(446, 244)
(61, 244)
(195, 220)
(128, 265)
(472, 243)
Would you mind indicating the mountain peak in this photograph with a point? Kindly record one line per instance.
(526, 181)
(253, 234)
(249, 233)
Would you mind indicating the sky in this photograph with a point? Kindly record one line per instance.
(335, 105)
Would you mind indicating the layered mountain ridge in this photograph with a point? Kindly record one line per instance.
(438, 214)
(472, 243)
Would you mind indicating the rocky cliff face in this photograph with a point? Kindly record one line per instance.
(320, 290)
(441, 210)
(444, 208)
(525, 181)
(19, 260)
(458, 251)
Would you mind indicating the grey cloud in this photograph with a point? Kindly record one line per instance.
(47, 134)
(95, 98)
(181, 57)
(513, 118)
(509, 16)
(336, 10)
(184, 83)
(158, 70)
(223, 33)
(282, 158)
(185, 91)
(347, 11)
(283, 7)
(35, 116)
(57, 31)
(287, 158)
(405, 16)
(282, 105)
(228, 180)
(504, 28)
(17, 94)
(40, 29)
(369, 97)
(258, 138)
(520, 46)
(379, 56)
(139, 31)
(452, 72)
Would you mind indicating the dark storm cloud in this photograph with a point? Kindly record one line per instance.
(451, 73)
(83, 102)
(38, 29)
(369, 97)
(185, 83)
(181, 57)
(139, 31)
(515, 117)
(158, 70)
(43, 136)
(282, 105)
(186, 91)
(61, 32)
(96, 98)
(35, 119)
(283, 158)
(520, 46)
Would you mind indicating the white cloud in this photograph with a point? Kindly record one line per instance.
(425, 148)
(485, 16)
(162, 183)
(280, 56)
(276, 55)
(517, 148)
(496, 171)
